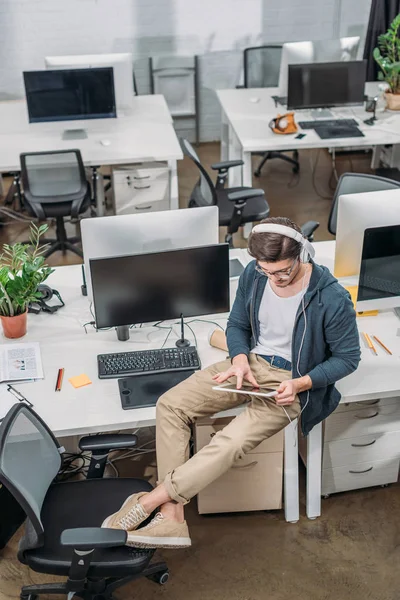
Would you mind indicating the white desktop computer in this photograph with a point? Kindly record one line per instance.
(342, 49)
(356, 213)
(121, 63)
(121, 235)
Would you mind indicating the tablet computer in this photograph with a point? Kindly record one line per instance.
(246, 389)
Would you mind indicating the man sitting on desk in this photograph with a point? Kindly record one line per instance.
(293, 328)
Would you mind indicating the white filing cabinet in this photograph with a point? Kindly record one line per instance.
(141, 188)
(253, 483)
(361, 445)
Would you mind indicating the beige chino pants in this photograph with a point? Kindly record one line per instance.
(194, 398)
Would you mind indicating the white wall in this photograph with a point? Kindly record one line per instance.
(217, 30)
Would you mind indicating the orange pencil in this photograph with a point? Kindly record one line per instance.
(381, 344)
(370, 344)
(59, 379)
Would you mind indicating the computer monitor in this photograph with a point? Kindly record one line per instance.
(379, 284)
(320, 85)
(70, 95)
(342, 49)
(356, 213)
(120, 235)
(122, 64)
(159, 286)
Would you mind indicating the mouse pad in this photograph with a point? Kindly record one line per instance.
(142, 391)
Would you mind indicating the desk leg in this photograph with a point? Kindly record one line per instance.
(247, 182)
(224, 137)
(314, 472)
(1, 185)
(291, 473)
(98, 186)
(235, 151)
(173, 185)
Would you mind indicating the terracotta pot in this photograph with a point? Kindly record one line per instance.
(392, 101)
(14, 327)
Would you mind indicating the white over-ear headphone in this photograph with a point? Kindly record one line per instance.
(307, 250)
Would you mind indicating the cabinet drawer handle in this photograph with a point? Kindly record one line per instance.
(142, 207)
(144, 177)
(141, 187)
(369, 417)
(252, 464)
(364, 445)
(365, 471)
(369, 402)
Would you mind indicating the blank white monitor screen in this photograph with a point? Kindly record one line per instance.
(356, 213)
(122, 64)
(105, 237)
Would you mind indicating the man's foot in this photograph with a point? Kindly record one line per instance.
(161, 532)
(129, 516)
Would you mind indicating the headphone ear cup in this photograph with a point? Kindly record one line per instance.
(46, 291)
(304, 255)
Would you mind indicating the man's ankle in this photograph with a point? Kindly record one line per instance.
(173, 511)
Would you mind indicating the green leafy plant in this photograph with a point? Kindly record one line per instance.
(22, 269)
(387, 55)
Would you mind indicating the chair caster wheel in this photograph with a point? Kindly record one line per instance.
(296, 170)
(160, 578)
(257, 173)
(28, 597)
(384, 485)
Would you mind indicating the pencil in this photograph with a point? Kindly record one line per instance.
(370, 344)
(59, 379)
(381, 344)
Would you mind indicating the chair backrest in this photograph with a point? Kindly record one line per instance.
(206, 195)
(357, 183)
(175, 77)
(29, 461)
(53, 175)
(261, 65)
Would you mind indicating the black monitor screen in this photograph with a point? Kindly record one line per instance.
(317, 85)
(380, 263)
(161, 285)
(70, 94)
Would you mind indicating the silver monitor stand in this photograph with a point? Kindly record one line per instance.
(74, 134)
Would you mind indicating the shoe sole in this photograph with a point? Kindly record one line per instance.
(158, 542)
(111, 517)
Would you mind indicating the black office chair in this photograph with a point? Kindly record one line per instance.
(62, 532)
(350, 183)
(237, 206)
(261, 66)
(55, 186)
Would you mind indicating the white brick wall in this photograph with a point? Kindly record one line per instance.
(217, 30)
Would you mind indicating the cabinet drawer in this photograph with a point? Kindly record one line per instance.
(361, 449)
(149, 207)
(361, 475)
(346, 407)
(140, 174)
(254, 484)
(139, 187)
(207, 428)
(355, 423)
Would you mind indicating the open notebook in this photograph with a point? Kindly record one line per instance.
(20, 362)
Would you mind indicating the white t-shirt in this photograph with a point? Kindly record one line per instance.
(277, 316)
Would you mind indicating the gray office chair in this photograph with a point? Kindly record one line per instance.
(261, 66)
(55, 186)
(350, 183)
(237, 206)
(62, 535)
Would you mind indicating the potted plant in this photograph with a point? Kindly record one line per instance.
(387, 55)
(22, 269)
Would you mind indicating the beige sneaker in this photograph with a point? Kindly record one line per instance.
(129, 516)
(160, 533)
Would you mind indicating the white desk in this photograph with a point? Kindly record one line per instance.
(245, 129)
(97, 407)
(146, 135)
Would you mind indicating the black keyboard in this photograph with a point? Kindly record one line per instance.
(147, 361)
(328, 123)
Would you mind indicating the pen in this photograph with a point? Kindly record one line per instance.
(59, 379)
(370, 344)
(381, 344)
(18, 395)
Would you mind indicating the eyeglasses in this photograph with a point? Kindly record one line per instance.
(283, 274)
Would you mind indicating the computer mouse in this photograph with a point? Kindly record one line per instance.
(105, 142)
(254, 99)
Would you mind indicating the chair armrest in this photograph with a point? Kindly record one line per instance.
(107, 441)
(227, 164)
(88, 538)
(308, 229)
(245, 194)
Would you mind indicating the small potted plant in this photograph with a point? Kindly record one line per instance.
(387, 55)
(22, 269)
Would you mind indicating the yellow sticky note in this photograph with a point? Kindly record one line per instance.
(353, 291)
(79, 380)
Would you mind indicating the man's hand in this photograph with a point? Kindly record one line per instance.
(240, 369)
(289, 389)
